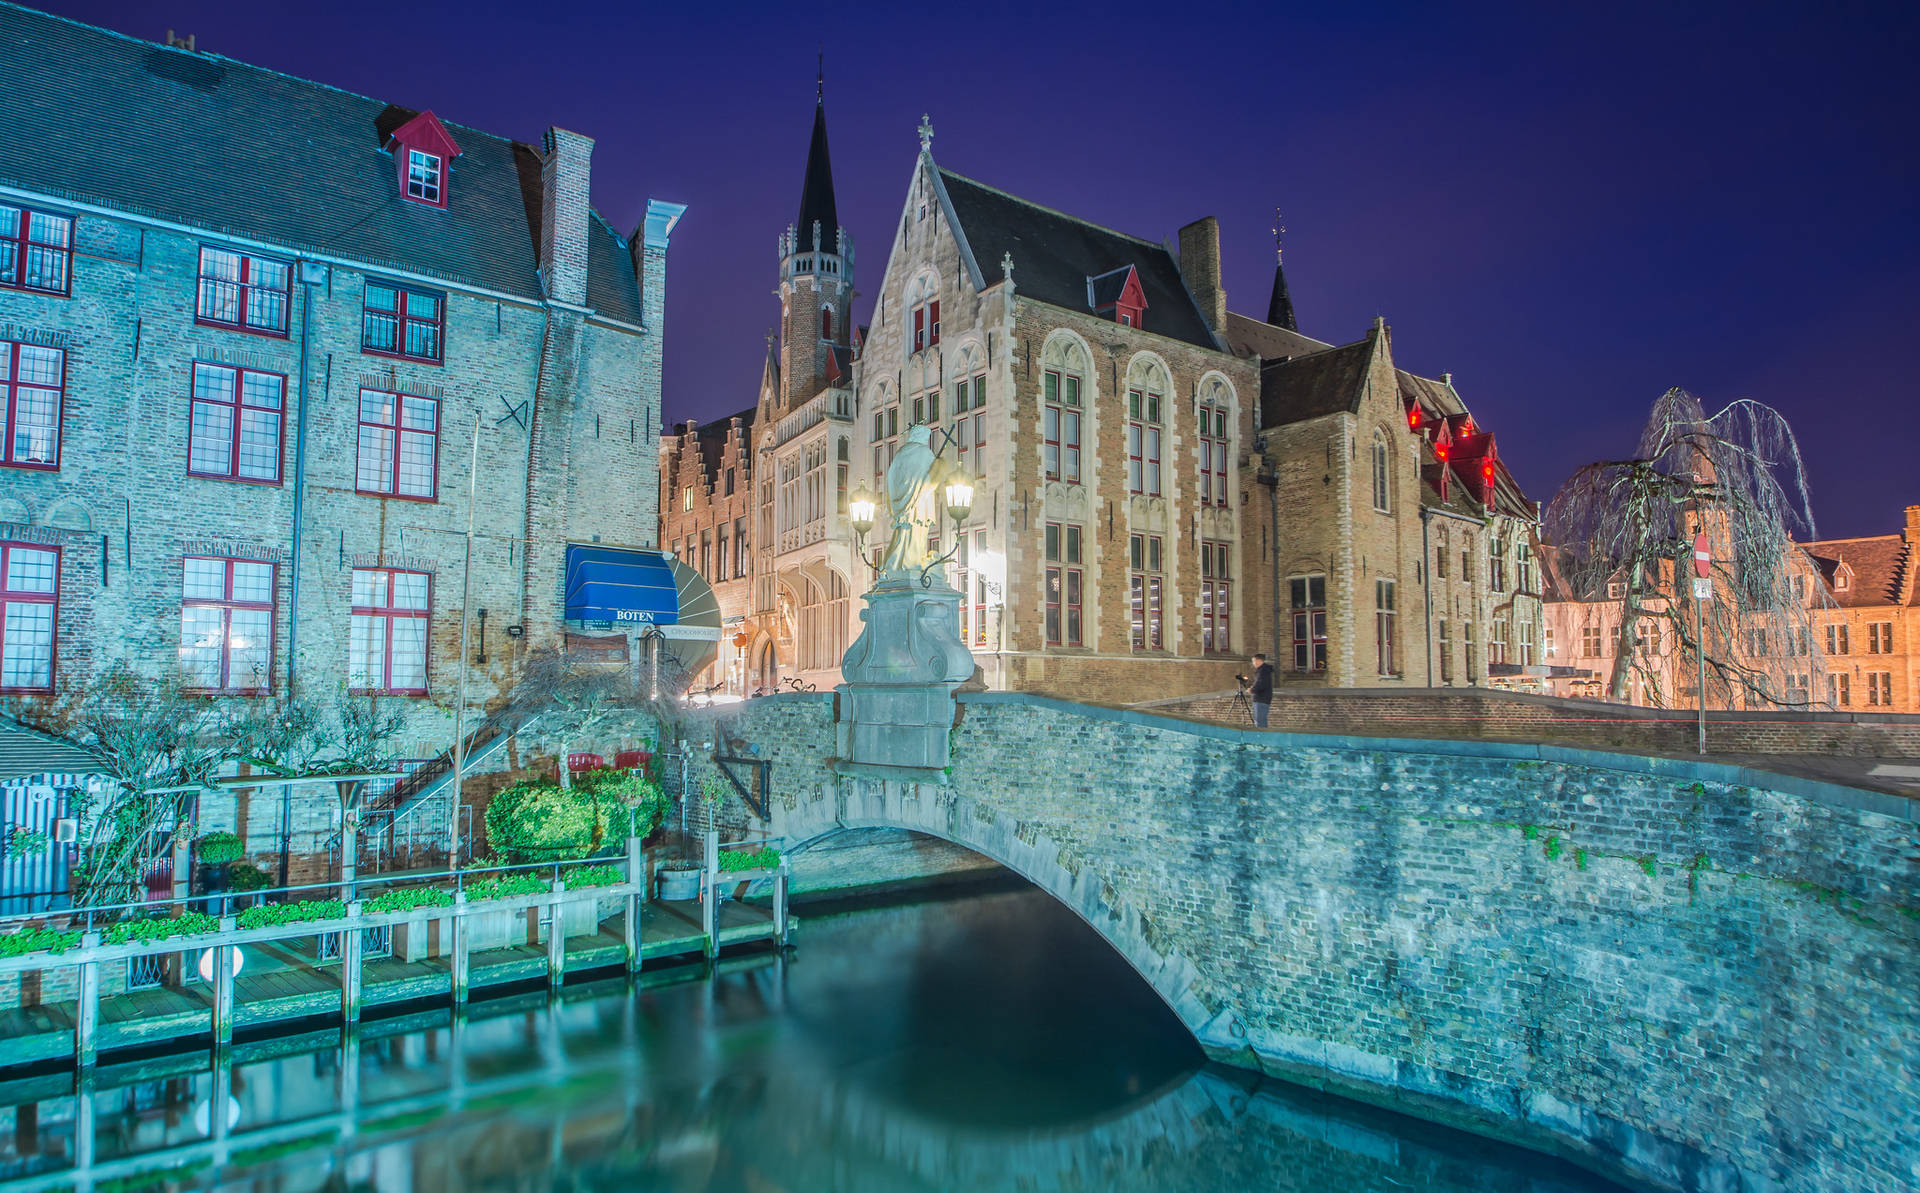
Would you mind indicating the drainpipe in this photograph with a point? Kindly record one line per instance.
(1426, 573)
(299, 483)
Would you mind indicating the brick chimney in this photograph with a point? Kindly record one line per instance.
(565, 177)
(1913, 526)
(1200, 264)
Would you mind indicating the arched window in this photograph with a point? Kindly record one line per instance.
(1146, 397)
(1215, 417)
(1382, 486)
(826, 323)
(1066, 365)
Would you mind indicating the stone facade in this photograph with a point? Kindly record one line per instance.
(1663, 970)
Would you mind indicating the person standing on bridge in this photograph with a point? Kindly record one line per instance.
(1260, 692)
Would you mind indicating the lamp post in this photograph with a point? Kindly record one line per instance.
(863, 505)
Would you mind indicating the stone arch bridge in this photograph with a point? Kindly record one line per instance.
(1688, 975)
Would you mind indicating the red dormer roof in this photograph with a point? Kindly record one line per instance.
(425, 133)
(1477, 461)
(1117, 293)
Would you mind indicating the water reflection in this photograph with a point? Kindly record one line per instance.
(987, 1043)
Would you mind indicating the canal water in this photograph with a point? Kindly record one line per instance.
(990, 1042)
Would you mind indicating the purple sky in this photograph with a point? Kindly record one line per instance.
(1570, 210)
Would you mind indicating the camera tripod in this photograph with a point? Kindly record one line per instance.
(1242, 702)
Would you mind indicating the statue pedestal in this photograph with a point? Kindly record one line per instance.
(896, 706)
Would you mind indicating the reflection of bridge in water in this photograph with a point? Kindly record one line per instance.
(608, 1092)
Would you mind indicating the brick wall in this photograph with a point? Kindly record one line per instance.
(1486, 715)
(1651, 966)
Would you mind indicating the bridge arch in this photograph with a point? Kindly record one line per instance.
(1028, 851)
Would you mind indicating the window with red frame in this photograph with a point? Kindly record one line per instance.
(387, 645)
(234, 428)
(405, 323)
(29, 611)
(399, 445)
(1143, 443)
(1063, 585)
(423, 177)
(926, 325)
(36, 250)
(226, 625)
(33, 380)
(1213, 455)
(1061, 428)
(1146, 585)
(244, 292)
(1216, 593)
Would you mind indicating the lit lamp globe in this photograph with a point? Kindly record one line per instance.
(861, 504)
(959, 494)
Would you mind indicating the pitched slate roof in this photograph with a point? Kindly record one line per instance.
(1875, 562)
(25, 752)
(613, 288)
(1251, 337)
(1320, 383)
(215, 144)
(1054, 255)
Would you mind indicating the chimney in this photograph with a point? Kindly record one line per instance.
(565, 177)
(1913, 526)
(1200, 263)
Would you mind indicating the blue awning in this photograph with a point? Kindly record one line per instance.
(609, 584)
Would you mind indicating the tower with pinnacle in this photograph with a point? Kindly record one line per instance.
(816, 280)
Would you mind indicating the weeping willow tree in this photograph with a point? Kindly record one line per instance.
(1624, 531)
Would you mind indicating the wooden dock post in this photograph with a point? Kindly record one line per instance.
(782, 919)
(457, 925)
(710, 903)
(351, 942)
(223, 987)
(637, 875)
(557, 936)
(86, 1024)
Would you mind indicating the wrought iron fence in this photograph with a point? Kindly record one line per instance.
(146, 971)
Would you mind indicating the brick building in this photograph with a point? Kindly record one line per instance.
(1855, 650)
(242, 405)
(706, 515)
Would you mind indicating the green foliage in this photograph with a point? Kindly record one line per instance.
(408, 898)
(249, 1156)
(27, 840)
(217, 849)
(1580, 858)
(177, 1175)
(244, 876)
(507, 886)
(1530, 831)
(1553, 848)
(275, 914)
(1649, 864)
(586, 877)
(37, 940)
(749, 859)
(542, 822)
(146, 931)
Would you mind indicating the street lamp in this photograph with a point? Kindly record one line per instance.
(862, 505)
(958, 494)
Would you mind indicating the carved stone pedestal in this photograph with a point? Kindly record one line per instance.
(896, 706)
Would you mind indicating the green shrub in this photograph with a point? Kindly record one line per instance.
(762, 858)
(586, 877)
(217, 849)
(274, 914)
(408, 898)
(544, 822)
(244, 876)
(507, 886)
(27, 840)
(146, 931)
(37, 940)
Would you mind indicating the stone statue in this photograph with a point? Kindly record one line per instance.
(910, 484)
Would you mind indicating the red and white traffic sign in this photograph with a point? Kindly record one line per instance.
(1702, 558)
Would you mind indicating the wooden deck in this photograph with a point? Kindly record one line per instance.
(292, 987)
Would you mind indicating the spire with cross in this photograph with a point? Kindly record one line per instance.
(926, 133)
(820, 80)
(1279, 234)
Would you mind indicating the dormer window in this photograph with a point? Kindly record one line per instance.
(423, 176)
(1117, 295)
(422, 152)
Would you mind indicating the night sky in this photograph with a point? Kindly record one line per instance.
(1570, 210)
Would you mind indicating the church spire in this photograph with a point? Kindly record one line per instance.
(1280, 305)
(816, 192)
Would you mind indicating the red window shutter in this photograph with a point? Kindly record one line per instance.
(933, 318)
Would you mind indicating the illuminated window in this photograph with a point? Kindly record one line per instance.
(1063, 585)
(1308, 602)
(1146, 587)
(226, 625)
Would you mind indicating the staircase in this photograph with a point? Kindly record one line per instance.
(387, 816)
